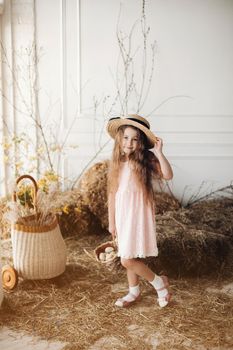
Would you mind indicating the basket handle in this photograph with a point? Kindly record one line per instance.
(34, 193)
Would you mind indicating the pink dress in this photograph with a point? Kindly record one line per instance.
(135, 221)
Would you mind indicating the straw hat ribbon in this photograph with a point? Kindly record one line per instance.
(132, 120)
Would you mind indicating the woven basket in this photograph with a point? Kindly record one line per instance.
(114, 262)
(39, 251)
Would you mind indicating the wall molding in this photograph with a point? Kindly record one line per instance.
(7, 86)
(175, 115)
(199, 157)
(191, 115)
(70, 60)
(63, 60)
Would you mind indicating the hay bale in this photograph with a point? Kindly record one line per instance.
(214, 214)
(76, 218)
(93, 187)
(165, 202)
(184, 250)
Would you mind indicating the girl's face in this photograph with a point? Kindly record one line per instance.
(130, 140)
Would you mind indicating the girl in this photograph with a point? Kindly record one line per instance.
(130, 201)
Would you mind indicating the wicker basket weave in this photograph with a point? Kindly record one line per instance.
(114, 262)
(39, 251)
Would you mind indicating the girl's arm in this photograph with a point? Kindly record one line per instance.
(111, 214)
(165, 166)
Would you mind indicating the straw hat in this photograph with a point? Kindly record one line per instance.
(132, 120)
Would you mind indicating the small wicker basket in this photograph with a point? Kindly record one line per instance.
(39, 251)
(114, 261)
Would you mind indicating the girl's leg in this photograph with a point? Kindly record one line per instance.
(132, 278)
(134, 290)
(137, 267)
(159, 283)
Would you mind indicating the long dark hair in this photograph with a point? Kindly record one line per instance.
(144, 163)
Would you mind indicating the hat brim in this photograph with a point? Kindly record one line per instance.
(114, 124)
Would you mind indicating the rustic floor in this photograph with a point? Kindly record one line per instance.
(135, 326)
(13, 340)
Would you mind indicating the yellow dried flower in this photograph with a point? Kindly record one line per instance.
(55, 148)
(18, 165)
(17, 139)
(6, 146)
(43, 184)
(40, 150)
(33, 158)
(6, 159)
(65, 209)
(51, 176)
(25, 195)
(78, 210)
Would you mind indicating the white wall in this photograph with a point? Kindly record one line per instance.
(17, 72)
(194, 59)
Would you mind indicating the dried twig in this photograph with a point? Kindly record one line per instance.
(196, 198)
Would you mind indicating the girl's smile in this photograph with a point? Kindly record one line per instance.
(130, 141)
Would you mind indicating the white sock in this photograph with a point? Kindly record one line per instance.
(132, 290)
(135, 290)
(158, 283)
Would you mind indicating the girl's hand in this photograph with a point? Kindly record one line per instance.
(112, 230)
(158, 145)
(165, 167)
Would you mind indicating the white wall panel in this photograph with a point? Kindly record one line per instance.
(192, 173)
(194, 52)
(17, 80)
(190, 101)
(49, 39)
